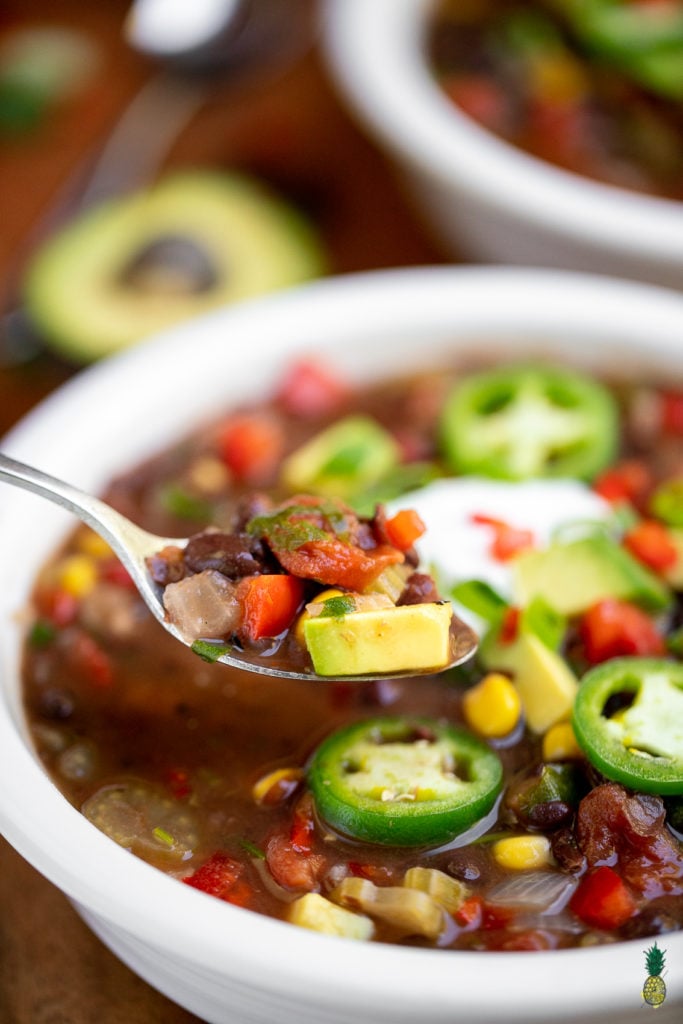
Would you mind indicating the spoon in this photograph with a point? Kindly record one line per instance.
(133, 545)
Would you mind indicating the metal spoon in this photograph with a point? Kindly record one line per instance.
(133, 545)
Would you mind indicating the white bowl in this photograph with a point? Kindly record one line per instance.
(225, 964)
(485, 198)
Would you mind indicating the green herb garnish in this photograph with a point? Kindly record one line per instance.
(208, 651)
(338, 606)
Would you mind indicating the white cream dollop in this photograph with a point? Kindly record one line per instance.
(458, 548)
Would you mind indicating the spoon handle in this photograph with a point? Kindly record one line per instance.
(131, 543)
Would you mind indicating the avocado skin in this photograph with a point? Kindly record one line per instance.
(75, 289)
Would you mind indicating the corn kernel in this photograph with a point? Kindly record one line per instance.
(77, 575)
(523, 853)
(282, 780)
(324, 595)
(492, 707)
(90, 543)
(559, 743)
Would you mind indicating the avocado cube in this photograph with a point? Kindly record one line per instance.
(349, 455)
(398, 639)
(545, 683)
(572, 577)
(674, 573)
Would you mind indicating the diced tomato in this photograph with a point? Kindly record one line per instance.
(672, 412)
(602, 899)
(251, 445)
(404, 528)
(494, 917)
(269, 604)
(338, 564)
(221, 876)
(509, 627)
(89, 660)
(310, 388)
(611, 629)
(508, 540)
(629, 481)
(480, 97)
(302, 829)
(650, 542)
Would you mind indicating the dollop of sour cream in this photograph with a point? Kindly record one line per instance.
(458, 548)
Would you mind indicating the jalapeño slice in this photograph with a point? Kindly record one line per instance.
(525, 421)
(628, 719)
(404, 782)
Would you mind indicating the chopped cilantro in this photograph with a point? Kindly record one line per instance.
(209, 652)
(181, 503)
(42, 633)
(336, 607)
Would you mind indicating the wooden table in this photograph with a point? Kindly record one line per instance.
(288, 127)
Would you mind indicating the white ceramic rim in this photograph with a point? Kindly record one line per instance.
(60, 843)
(375, 52)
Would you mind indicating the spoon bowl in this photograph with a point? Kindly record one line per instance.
(133, 546)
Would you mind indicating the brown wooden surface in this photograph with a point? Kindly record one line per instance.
(290, 128)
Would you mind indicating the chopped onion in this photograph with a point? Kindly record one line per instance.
(203, 606)
(545, 891)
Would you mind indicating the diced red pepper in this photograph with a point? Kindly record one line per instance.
(612, 629)
(650, 542)
(251, 446)
(470, 913)
(508, 540)
(602, 899)
(404, 528)
(310, 389)
(269, 604)
(672, 413)
(221, 876)
(509, 627)
(629, 481)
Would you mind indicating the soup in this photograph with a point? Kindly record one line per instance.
(595, 88)
(528, 800)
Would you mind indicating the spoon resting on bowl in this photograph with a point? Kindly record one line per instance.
(135, 547)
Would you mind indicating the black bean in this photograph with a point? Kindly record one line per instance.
(233, 554)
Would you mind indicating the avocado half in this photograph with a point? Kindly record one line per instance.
(140, 263)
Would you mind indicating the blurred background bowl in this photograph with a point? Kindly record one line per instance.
(483, 197)
(223, 963)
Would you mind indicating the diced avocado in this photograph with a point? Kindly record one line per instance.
(139, 263)
(543, 679)
(572, 577)
(399, 639)
(349, 455)
(320, 915)
(674, 574)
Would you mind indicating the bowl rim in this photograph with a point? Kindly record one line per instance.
(184, 923)
(375, 53)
